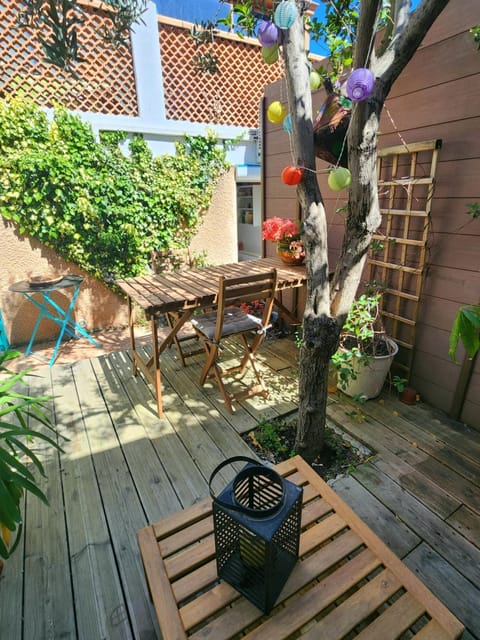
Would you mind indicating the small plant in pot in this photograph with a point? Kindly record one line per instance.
(365, 354)
(22, 421)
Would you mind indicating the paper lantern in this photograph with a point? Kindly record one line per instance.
(285, 14)
(267, 33)
(287, 123)
(292, 175)
(339, 179)
(270, 54)
(360, 84)
(315, 80)
(257, 526)
(276, 112)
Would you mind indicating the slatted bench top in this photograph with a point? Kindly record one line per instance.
(347, 583)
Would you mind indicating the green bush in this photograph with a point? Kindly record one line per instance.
(88, 201)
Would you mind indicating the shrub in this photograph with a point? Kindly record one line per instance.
(88, 201)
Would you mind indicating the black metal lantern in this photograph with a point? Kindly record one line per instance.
(257, 523)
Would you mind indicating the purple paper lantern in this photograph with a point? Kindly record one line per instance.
(285, 14)
(267, 33)
(360, 84)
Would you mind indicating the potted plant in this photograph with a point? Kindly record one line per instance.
(18, 411)
(286, 233)
(366, 353)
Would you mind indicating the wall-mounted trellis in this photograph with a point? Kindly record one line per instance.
(398, 254)
(105, 82)
(230, 96)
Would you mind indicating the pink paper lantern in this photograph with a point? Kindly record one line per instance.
(360, 84)
(267, 33)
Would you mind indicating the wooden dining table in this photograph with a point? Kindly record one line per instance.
(187, 291)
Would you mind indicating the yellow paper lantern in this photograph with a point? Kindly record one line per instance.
(315, 80)
(276, 112)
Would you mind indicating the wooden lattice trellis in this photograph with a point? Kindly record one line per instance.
(398, 254)
(105, 82)
(231, 96)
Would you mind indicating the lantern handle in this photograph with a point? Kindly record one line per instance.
(229, 461)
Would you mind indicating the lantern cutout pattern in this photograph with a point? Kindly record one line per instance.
(291, 175)
(267, 33)
(257, 524)
(360, 84)
(285, 14)
(276, 112)
(339, 179)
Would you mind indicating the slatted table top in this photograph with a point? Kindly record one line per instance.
(347, 584)
(193, 288)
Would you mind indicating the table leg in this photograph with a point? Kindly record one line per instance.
(132, 337)
(156, 365)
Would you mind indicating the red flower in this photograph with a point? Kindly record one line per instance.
(278, 229)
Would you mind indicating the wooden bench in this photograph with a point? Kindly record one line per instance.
(347, 583)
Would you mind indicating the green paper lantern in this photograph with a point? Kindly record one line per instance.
(339, 179)
(270, 54)
(315, 80)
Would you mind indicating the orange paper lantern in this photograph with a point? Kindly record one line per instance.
(292, 175)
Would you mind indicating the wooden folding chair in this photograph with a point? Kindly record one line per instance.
(231, 320)
(176, 260)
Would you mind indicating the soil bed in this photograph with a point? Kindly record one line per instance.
(274, 440)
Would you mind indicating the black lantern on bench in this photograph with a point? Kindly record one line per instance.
(257, 523)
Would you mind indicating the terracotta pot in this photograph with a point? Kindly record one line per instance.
(287, 256)
(408, 395)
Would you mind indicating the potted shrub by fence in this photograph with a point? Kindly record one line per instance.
(366, 353)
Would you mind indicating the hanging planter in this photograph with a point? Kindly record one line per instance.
(330, 128)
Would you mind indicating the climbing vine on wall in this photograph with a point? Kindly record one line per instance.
(91, 203)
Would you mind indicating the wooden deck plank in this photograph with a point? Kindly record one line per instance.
(396, 535)
(46, 548)
(96, 583)
(465, 521)
(460, 595)
(400, 502)
(155, 490)
(463, 555)
(190, 485)
(123, 510)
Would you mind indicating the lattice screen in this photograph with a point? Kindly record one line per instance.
(399, 249)
(229, 97)
(106, 82)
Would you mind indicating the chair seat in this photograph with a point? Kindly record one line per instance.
(234, 321)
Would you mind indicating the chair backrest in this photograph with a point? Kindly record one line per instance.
(171, 260)
(245, 289)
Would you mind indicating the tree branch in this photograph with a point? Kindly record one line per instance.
(366, 27)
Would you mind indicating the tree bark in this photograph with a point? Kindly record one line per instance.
(326, 309)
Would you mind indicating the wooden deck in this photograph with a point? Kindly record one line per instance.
(78, 573)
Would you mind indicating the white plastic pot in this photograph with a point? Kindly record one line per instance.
(372, 375)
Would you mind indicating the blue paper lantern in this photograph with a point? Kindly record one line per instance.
(287, 123)
(267, 33)
(360, 84)
(285, 14)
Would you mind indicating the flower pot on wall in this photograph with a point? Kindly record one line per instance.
(371, 376)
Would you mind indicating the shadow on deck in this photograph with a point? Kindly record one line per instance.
(78, 573)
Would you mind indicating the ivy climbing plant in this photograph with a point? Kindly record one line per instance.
(91, 203)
